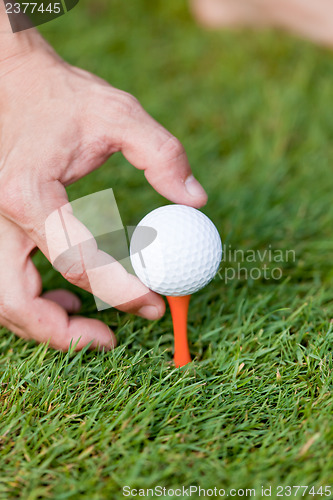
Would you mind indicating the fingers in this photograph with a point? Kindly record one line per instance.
(150, 147)
(67, 300)
(46, 321)
(73, 251)
(30, 316)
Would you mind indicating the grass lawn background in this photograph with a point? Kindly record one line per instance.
(254, 111)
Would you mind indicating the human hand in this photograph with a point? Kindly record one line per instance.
(58, 123)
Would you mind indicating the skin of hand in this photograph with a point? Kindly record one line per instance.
(57, 124)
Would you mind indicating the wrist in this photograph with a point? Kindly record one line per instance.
(17, 47)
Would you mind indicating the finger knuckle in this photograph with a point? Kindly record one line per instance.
(76, 276)
(11, 199)
(125, 103)
(96, 150)
(10, 307)
(73, 264)
(172, 149)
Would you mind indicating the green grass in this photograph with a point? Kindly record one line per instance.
(255, 407)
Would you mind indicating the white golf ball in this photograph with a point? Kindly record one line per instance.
(175, 250)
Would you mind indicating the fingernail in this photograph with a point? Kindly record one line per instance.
(194, 188)
(149, 312)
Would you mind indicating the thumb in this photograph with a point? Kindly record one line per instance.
(74, 252)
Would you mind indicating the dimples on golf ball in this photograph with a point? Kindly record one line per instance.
(182, 253)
